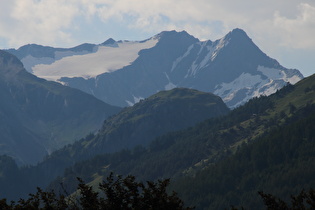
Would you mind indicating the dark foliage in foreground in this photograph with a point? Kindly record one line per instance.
(114, 193)
(304, 200)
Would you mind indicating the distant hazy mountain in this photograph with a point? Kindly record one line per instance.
(37, 116)
(161, 113)
(123, 72)
(137, 125)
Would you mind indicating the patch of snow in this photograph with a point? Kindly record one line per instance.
(30, 61)
(91, 91)
(202, 45)
(179, 59)
(170, 85)
(212, 49)
(271, 73)
(294, 79)
(244, 80)
(207, 58)
(105, 59)
(96, 81)
(254, 84)
(277, 74)
(129, 103)
(137, 99)
(222, 43)
(227, 91)
(195, 67)
(269, 88)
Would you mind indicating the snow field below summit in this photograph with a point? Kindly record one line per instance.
(105, 59)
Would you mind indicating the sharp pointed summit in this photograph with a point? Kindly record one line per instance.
(109, 41)
(237, 32)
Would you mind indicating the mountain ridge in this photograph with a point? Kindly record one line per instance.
(167, 60)
(188, 153)
(208, 150)
(49, 114)
(185, 153)
(161, 113)
(134, 126)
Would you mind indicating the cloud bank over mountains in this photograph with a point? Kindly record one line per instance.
(275, 25)
(49, 20)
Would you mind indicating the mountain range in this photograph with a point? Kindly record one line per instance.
(266, 144)
(135, 126)
(171, 126)
(39, 116)
(123, 72)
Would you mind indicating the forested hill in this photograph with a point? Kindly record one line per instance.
(226, 161)
(281, 162)
(217, 162)
(137, 125)
(140, 124)
(163, 112)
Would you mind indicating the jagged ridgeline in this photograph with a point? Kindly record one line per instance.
(38, 116)
(123, 72)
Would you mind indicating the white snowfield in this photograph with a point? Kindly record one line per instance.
(105, 59)
(227, 91)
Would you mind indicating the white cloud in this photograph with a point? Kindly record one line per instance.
(290, 22)
(43, 21)
(270, 22)
(298, 31)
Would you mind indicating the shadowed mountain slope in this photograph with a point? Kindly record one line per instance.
(38, 116)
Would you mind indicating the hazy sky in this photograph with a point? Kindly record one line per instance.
(283, 29)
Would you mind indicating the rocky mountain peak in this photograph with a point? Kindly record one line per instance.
(232, 67)
(109, 41)
(174, 34)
